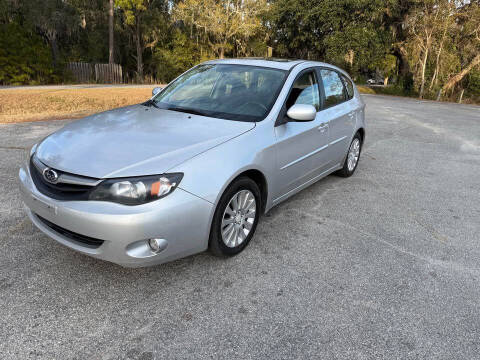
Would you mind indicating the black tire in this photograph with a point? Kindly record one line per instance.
(216, 243)
(345, 172)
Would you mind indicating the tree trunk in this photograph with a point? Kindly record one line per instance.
(458, 77)
(222, 52)
(385, 81)
(424, 66)
(439, 95)
(111, 59)
(138, 40)
(404, 74)
(461, 96)
(435, 73)
(52, 39)
(403, 66)
(437, 63)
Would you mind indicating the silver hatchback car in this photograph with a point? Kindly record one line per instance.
(195, 166)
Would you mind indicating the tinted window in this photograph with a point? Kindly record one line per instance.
(349, 87)
(234, 92)
(334, 89)
(305, 91)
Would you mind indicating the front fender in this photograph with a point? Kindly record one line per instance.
(207, 175)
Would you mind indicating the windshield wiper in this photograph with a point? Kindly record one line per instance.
(150, 103)
(188, 111)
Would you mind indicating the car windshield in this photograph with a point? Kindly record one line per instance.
(233, 92)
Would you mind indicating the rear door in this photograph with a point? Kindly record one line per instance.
(338, 113)
(301, 146)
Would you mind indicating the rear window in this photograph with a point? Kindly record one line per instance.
(349, 86)
(333, 87)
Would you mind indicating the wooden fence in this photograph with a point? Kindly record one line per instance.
(82, 72)
(108, 74)
(98, 73)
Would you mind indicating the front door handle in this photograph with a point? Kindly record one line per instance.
(322, 128)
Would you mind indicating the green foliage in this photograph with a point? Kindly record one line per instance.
(132, 8)
(387, 65)
(330, 29)
(363, 45)
(473, 83)
(406, 83)
(24, 57)
(180, 55)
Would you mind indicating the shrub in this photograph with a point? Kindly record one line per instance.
(24, 57)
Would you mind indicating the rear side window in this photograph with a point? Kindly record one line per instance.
(305, 91)
(333, 86)
(349, 86)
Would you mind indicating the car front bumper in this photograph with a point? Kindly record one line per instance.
(182, 219)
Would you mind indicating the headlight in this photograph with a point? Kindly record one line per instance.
(136, 191)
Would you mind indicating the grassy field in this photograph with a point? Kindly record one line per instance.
(18, 105)
(365, 89)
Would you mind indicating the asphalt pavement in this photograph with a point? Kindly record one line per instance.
(382, 265)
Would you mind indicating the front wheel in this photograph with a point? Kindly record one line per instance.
(353, 157)
(235, 218)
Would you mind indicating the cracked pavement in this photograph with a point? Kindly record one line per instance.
(384, 264)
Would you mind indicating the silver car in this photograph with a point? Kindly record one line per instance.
(194, 167)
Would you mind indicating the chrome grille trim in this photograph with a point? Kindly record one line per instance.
(65, 178)
(77, 180)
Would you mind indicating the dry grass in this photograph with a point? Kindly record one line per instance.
(18, 105)
(365, 90)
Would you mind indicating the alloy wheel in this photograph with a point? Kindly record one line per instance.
(238, 218)
(353, 154)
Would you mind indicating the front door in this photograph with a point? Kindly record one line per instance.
(301, 146)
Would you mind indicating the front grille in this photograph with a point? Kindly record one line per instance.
(84, 240)
(59, 191)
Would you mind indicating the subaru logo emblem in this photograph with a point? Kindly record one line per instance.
(50, 175)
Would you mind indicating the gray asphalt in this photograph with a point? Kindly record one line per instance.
(382, 265)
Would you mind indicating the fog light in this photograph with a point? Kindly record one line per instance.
(157, 245)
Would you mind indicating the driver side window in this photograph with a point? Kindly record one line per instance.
(305, 91)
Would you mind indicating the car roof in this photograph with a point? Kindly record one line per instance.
(275, 63)
(284, 64)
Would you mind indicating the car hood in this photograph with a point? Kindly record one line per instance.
(134, 141)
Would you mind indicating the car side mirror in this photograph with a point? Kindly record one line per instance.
(302, 112)
(156, 90)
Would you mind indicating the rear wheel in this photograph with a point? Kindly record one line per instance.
(235, 218)
(353, 157)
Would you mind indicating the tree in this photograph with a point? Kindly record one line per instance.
(423, 23)
(24, 58)
(467, 43)
(53, 19)
(134, 11)
(447, 22)
(349, 33)
(179, 55)
(222, 21)
(111, 59)
(387, 65)
(396, 16)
